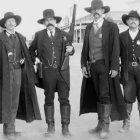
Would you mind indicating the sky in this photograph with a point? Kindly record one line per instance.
(32, 10)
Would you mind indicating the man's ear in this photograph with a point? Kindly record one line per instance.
(103, 10)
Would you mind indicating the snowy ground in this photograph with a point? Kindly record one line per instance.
(80, 125)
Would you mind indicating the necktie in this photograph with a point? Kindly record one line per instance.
(96, 27)
(12, 37)
(51, 36)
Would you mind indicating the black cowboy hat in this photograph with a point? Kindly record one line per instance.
(132, 13)
(49, 13)
(10, 15)
(96, 4)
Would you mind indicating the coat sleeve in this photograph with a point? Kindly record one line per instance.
(115, 48)
(84, 51)
(33, 48)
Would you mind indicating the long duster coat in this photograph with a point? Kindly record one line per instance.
(38, 44)
(111, 50)
(28, 109)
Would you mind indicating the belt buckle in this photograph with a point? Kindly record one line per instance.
(94, 60)
(134, 64)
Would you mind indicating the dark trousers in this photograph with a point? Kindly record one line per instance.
(132, 87)
(99, 76)
(15, 84)
(53, 80)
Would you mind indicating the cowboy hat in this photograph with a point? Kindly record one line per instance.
(132, 13)
(10, 15)
(49, 13)
(97, 4)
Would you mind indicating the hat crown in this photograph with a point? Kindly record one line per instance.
(8, 14)
(133, 13)
(96, 4)
(49, 13)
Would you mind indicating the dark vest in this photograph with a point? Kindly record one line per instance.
(51, 50)
(95, 44)
(134, 48)
(15, 49)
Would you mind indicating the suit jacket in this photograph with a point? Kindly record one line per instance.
(111, 50)
(125, 43)
(28, 108)
(38, 45)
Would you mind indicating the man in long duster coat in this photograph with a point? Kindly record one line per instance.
(28, 108)
(108, 100)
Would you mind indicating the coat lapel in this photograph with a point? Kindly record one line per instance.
(5, 39)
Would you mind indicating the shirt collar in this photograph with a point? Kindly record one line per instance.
(49, 32)
(8, 33)
(133, 34)
(99, 22)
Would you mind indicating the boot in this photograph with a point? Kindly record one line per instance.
(126, 121)
(105, 114)
(9, 128)
(49, 113)
(99, 125)
(65, 120)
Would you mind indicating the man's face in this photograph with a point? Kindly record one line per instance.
(97, 13)
(10, 24)
(50, 23)
(133, 22)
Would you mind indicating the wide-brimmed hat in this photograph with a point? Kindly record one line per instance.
(97, 4)
(132, 13)
(49, 13)
(10, 15)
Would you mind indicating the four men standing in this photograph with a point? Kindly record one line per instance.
(51, 47)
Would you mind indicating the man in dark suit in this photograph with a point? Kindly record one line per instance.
(53, 47)
(101, 90)
(130, 63)
(17, 77)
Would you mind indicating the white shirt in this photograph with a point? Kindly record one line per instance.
(49, 32)
(8, 33)
(133, 34)
(98, 23)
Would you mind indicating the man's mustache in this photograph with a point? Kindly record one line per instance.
(50, 25)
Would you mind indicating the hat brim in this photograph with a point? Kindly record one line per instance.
(106, 8)
(16, 17)
(126, 17)
(58, 19)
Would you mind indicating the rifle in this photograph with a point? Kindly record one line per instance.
(71, 33)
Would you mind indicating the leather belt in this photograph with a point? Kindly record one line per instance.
(97, 61)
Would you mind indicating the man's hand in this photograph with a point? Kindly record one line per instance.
(113, 73)
(84, 71)
(37, 60)
(69, 49)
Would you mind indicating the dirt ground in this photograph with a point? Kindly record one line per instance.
(80, 125)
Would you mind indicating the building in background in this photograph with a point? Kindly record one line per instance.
(81, 23)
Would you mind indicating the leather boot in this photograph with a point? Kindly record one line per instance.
(126, 121)
(9, 128)
(105, 114)
(65, 120)
(49, 113)
(99, 125)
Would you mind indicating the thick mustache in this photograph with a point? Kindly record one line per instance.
(96, 14)
(50, 25)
